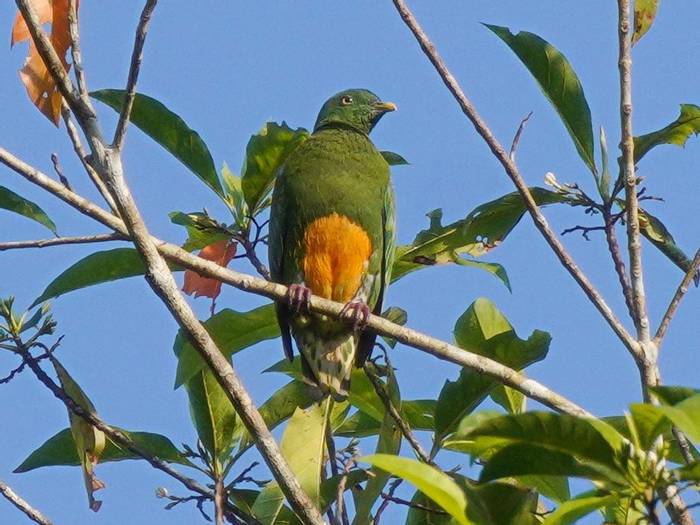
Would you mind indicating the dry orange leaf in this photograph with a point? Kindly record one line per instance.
(36, 78)
(221, 253)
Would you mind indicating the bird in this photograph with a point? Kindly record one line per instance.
(332, 234)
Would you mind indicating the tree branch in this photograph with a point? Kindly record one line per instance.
(677, 298)
(512, 171)
(277, 292)
(57, 241)
(14, 498)
(634, 241)
(619, 263)
(136, 58)
(75, 49)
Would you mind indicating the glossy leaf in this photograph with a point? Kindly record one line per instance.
(234, 196)
(302, 446)
(558, 82)
(677, 132)
(435, 516)
(395, 315)
(394, 159)
(435, 484)
(265, 153)
(417, 413)
(685, 415)
(483, 229)
(484, 330)
(570, 511)
(500, 504)
(513, 401)
(202, 230)
(10, 201)
(555, 488)
(168, 130)
(232, 332)
(657, 233)
(648, 424)
(590, 442)
(644, 14)
(213, 414)
(60, 450)
(604, 180)
(672, 395)
(97, 268)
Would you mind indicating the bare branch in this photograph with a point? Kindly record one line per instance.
(75, 50)
(618, 262)
(512, 171)
(634, 240)
(394, 413)
(14, 498)
(59, 171)
(677, 298)
(57, 241)
(277, 292)
(136, 58)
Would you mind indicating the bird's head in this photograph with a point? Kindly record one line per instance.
(358, 109)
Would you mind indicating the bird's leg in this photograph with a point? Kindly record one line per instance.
(357, 312)
(298, 297)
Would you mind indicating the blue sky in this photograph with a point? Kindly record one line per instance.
(226, 68)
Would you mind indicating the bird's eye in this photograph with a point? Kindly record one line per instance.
(346, 100)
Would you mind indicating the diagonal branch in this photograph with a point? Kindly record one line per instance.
(277, 292)
(677, 298)
(14, 498)
(58, 241)
(136, 58)
(76, 53)
(512, 171)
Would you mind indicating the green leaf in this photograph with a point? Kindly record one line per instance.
(168, 130)
(568, 512)
(417, 413)
(395, 315)
(232, 332)
(648, 424)
(672, 395)
(329, 487)
(511, 400)
(484, 228)
(690, 472)
(265, 153)
(501, 504)
(677, 132)
(656, 233)
(234, 196)
(60, 450)
(644, 14)
(394, 159)
(484, 330)
(435, 484)
(684, 415)
(558, 82)
(555, 488)
(213, 415)
(417, 516)
(282, 404)
(389, 443)
(590, 442)
(202, 230)
(302, 445)
(97, 268)
(10, 201)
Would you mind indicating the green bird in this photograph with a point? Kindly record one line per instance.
(332, 235)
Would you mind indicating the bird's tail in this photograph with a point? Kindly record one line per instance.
(328, 363)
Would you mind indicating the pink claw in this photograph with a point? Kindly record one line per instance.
(299, 297)
(357, 312)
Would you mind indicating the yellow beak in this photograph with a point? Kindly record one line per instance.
(385, 106)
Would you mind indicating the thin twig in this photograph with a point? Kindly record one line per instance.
(220, 497)
(677, 298)
(57, 241)
(340, 492)
(136, 58)
(75, 49)
(618, 262)
(59, 171)
(512, 171)
(386, 496)
(118, 436)
(74, 137)
(397, 417)
(518, 133)
(14, 498)
(277, 292)
(634, 240)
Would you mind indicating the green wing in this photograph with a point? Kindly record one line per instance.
(367, 339)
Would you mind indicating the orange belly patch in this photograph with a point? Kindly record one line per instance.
(336, 254)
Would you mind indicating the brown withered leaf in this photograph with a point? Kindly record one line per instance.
(220, 252)
(35, 76)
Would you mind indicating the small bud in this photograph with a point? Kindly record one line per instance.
(162, 492)
(551, 180)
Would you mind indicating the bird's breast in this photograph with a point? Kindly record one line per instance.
(336, 253)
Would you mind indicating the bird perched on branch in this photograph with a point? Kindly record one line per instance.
(332, 235)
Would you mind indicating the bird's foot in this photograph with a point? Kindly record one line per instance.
(357, 313)
(299, 297)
